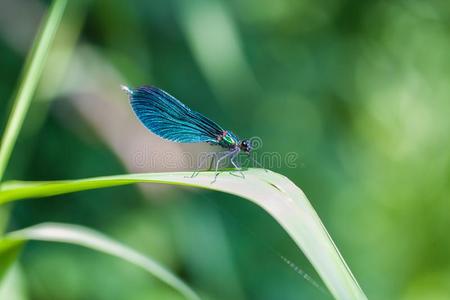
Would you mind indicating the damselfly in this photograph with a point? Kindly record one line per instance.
(167, 117)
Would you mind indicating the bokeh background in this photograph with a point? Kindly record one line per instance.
(358, 89)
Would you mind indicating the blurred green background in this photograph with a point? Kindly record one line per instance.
(358, 89)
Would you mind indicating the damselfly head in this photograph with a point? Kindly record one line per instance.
(245, 146)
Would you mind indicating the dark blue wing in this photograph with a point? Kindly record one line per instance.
(167, 117)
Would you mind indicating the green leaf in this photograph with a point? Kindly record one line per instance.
(30, 78)
(78, 235)
(281, 198)
(12, 286)
(9, 250)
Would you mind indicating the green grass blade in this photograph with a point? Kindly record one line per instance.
(78, 235)
(30, 78)
(273, 192)
(9, 250)
(13, 287)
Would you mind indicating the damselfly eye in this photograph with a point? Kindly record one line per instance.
(245, 146)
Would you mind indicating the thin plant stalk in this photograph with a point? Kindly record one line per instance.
(30, 79)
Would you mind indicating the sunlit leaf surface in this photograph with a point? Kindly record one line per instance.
(275, 193)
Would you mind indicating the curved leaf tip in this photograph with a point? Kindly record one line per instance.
(275, 193)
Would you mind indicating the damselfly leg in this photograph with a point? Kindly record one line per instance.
(236, 165)
(203, 159)
(219, 157)
(228, 154)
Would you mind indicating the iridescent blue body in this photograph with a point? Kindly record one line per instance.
(169, 118)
